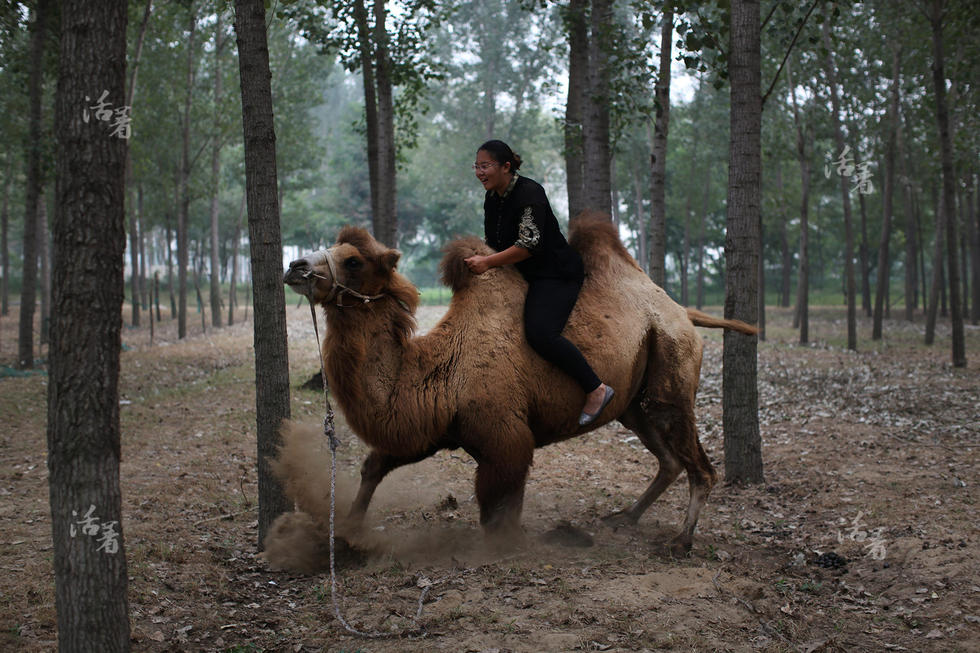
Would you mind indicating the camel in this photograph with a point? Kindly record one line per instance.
(472, 381)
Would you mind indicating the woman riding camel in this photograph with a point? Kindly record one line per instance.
(519, 223)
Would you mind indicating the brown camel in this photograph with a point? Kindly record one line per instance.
(473, 381)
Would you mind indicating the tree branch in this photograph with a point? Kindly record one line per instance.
(789, 50)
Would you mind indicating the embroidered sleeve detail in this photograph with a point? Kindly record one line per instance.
(528, 234)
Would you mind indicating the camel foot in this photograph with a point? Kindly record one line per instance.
(679, 547)
(618, 519)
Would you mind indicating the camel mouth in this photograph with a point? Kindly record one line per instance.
(300, 277)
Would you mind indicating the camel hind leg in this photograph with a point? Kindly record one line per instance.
(670, 433)
(376, 466)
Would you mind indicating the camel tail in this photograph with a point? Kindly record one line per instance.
(701, 319)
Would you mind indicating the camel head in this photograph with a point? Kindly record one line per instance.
(356, 270)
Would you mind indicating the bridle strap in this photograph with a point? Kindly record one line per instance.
(340, 289)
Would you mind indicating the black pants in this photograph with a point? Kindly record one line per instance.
(547, 307)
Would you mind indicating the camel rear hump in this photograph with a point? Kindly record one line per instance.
(596, 239)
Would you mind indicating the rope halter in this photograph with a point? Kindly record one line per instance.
(337, 290)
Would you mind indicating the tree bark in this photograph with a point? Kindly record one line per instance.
(386, 230)
(786, 256)
(233, 277)
(83, 430)
(949, 187)
(595, 123)
(937, 278)
(658, 159)
(183, 207)
(576, 23)
(44, 255)
(863, 255)
(4, 244)
(271, 359)
(740, 395)
(973, 229)
(801, 319)
(705, 196)
(28, 294)
(888, 194)
(845, 195)
(215, 277)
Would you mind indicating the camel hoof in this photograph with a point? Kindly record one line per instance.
(679, 547)
(619, 519)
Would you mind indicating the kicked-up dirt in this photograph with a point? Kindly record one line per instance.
(863, 537)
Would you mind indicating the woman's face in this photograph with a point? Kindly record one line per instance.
(491, 174)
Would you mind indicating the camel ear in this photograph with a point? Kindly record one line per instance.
(390, 259)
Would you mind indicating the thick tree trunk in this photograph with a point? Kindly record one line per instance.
(83, 394)
(215, 277)
(845, 196)
(888, 194)
(595, 123)
(740, 394)
(658, 159)
(949, 187)
(576, 23)
(28, 293)
(271, 359)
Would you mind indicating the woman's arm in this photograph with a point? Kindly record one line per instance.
(513, 254)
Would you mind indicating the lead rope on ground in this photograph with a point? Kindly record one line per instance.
(328, 430)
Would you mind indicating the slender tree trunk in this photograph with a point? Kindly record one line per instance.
(185, 175)
(595, 123)
(28, 294)
(271, 359)
(786, 258)
(387, 230)
(44, 252)
(949, 187)
(801, 319)
(937, 278)
(370, 110)
(973, 230)
(888, 193)
(83, 430)
(845, 195)
(576, 23)
(170, 272)
(215, 277)
(4, 244)
(700, 246)
(911, 235)
(863, 255)
(144, 291)
(740, 394)
(233, 282)
(658, 159)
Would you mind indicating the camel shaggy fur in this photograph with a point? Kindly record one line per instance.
(472, 382)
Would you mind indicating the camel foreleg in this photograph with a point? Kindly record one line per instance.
(375, 467)
(500, 480)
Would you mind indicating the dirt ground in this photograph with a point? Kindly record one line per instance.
(864, 536)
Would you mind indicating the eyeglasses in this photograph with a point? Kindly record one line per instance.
(483, 167)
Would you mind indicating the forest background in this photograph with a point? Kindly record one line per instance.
(463, 72)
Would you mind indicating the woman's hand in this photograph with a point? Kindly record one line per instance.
(478, 264)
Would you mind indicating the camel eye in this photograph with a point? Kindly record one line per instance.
(353, 263)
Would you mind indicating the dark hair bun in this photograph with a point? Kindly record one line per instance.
(501, 153)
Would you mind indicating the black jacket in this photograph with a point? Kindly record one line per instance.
(523, 217)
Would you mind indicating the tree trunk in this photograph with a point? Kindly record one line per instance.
(949, 187)
(973, 230)
(576, 22)
(888, 194)
(4, 244)
(170, 271)
(937, 278)
(83, 430)
(144, 291)
(658, 159)
(386, 229)
(185, 177)
(863, 255)
(705, 196)
(370, 110)
(845, 195)
(134, 239)
(271, 359)
(215, 277)
(801, 319)
(595, 123)
(740, 394)
(44, 253)
(233, 280)
(28, 293)
(786, 258)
